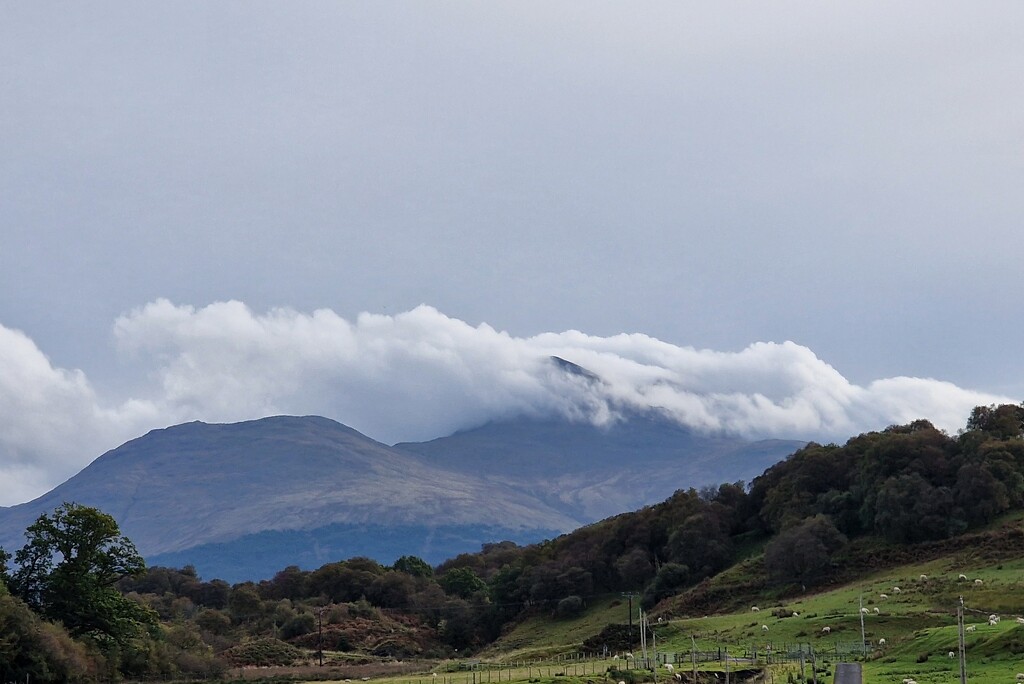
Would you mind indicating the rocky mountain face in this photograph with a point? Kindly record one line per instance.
(241, 501)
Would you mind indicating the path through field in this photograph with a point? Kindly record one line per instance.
(847, 673)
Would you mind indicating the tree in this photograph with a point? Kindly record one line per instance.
(68, 569)
(803, 553)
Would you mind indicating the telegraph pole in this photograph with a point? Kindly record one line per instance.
(863, 643)
(962, 647)
(629, 596)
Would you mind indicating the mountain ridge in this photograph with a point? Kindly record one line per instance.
(311, 483)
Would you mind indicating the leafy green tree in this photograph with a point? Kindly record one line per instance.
(670, 579)
(414, 565)
(462, 582)
(68, 570)
(803, 553)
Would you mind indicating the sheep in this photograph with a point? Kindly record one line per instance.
(678, 677)
(754, 609)
(875, 609)
(628, 655)
(826, 630)
(895, 590)
(971, 628)
(952, 655)
(660, 620)
(764, 628)
(881, 642)
(962, 576)
(978, 582)
(1020, 621)
(796, 614)
(615, 657)
(993, 623)
(993, 617)
(1020, 676)
(864, 611)
(669, 667)
(922, 577)
(883, 596)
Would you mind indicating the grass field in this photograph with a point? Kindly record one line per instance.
(917, 622)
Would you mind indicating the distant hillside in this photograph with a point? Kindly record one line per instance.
(243, 500)
(591, 472)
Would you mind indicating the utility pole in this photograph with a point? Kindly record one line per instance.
(320, 634)
(628, 595)
(693, 656)
(863, 642)
(962, 647)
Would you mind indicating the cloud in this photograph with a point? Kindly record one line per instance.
(419, 375)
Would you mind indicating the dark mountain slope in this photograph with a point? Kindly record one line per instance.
(592, 472)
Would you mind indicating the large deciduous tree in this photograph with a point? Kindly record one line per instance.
(68, 570)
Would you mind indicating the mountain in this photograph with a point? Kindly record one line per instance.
(591, 472)
(241, 501)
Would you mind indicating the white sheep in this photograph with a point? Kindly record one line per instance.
(660, 620)
(881, 642)
(993, 618)
(796, 614)
(876, 610)
(1020, 621)
(952, 655)
(679, 677)
(826, 630)
(962, 576)
(864, 611)
(754, 609)
(978, 582)
(883, 596)
(615, 657)
(1020, 676)
(895, 590)
(971, 628)
(764, 628)
(628, 655)
(993, 623)
(922, 577)
(669, 667)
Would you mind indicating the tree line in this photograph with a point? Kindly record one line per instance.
(105, 613)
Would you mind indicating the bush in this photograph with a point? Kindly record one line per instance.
(264, 652)
(570, 606)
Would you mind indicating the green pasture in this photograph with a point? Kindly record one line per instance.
(918, 624)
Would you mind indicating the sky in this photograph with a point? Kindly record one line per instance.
(792, 219)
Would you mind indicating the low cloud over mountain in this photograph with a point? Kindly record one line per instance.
(419, 375)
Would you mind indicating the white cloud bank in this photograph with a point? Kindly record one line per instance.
(420, 375)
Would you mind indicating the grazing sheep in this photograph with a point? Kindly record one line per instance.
(1020, 621)
(678, 677)
(628, 655)
(881, 642)
(826, 630)
(922, 577)
(796, 614)
(971, 628)
(660, 620)
(615, 657)
(754, 609)
(669, 667)
(883, 596)
(895, 590)
(864, 611)
(952, 655)
(994, 617)
(764, 628)
(876, 610)
(993, 623)
(978, 582)
(962, 576)
(1020, 676)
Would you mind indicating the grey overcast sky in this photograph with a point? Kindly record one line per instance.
(806, 214)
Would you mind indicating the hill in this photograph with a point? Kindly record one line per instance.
(241, 501)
